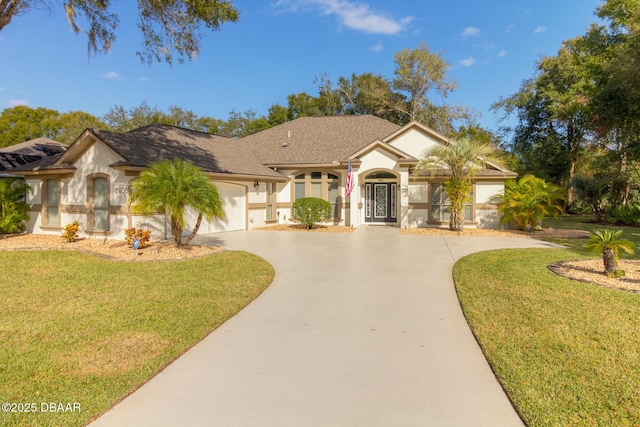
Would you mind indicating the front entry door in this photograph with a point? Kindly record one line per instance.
(380, 202)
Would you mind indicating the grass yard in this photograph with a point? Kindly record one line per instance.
(566, 352)
(79, 329)
(582, 223)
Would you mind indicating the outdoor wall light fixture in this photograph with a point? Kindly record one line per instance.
(256, 185)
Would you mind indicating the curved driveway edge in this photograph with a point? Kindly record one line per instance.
(360, 329)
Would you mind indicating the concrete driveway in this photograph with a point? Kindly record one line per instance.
(360, 329)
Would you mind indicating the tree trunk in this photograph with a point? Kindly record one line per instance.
(456, 222)
(176, 232)
(195, 230)
(610, 261)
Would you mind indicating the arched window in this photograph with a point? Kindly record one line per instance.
(98, 202)
(380, 175)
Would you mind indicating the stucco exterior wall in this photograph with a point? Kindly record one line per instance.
(487, 191)
(284, 202)
(34, 197)
(413, 143)
(485, 194)
(418, 197)
(380, 159)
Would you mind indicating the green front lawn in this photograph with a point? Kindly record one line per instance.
(582, 222)
(78, 329)
(567, 353)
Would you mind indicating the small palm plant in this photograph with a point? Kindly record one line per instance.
(608, 243)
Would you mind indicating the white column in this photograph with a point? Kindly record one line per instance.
(404, 199)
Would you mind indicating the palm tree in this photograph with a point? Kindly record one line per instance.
(171, 186)
(459, 160)
(13, 208)
(528, 200)
(609, 244)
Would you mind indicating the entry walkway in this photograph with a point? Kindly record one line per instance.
(357, 329)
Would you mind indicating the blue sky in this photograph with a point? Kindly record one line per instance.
(278, 47)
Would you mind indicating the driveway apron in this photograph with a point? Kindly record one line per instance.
(357, 329)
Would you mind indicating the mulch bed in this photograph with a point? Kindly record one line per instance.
(111, 249)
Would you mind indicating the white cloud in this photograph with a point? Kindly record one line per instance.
(143, 79)
(470, 32)
(540, 29)
(468, 62)
(377, 48)
(111, 75)
(510, 28)
(354, 15)
(2, 89)
(502, 53)
(16, 102)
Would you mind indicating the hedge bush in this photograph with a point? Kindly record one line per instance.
(311, 210)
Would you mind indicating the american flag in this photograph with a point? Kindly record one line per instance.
(349, 187)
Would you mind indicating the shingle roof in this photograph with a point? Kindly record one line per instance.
(36, 147)
(22, 155)
(318, 140)
(212, 153)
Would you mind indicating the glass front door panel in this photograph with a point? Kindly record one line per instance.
(380, 202)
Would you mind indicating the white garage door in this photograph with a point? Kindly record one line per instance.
(235, 207)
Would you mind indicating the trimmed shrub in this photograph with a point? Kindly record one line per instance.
(71, 231)
(311, 210)
(143, 236)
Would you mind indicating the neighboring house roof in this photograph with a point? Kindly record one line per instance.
(318, 140)
(28, 152)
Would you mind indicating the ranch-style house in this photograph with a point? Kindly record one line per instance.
(258, 176)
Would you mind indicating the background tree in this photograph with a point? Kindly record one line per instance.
(585, 97)
(171, 187)
(277, 115)
(169, 27)
(552, 118)
(240, 124)
(73, 123)
(421, 76)
(459, 161)
(592, 191)
(22, 123)
(120, 119)
(370, 94)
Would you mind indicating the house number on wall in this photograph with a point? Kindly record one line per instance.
(122, 189)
